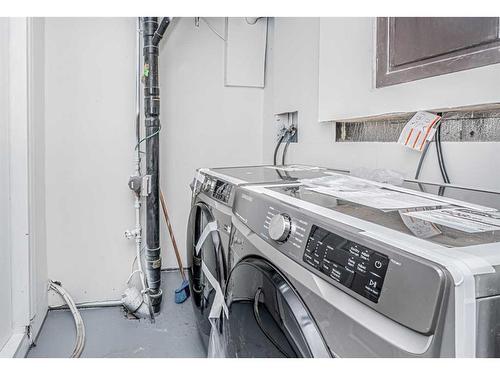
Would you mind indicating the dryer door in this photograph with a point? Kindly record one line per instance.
(267, 318)
(210, 253)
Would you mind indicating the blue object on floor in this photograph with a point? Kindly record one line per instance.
(182, 293)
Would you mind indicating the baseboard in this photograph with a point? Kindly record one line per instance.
(16, 347)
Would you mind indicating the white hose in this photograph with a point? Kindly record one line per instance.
(80, 328)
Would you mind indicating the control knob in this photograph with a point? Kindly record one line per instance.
(280, 227)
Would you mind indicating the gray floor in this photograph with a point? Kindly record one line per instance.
(110, 334)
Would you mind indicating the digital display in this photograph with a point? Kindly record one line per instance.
(346, 262)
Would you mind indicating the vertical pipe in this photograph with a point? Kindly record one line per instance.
(138, 97)
(152, 124)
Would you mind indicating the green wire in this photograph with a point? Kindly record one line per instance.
(146, 138)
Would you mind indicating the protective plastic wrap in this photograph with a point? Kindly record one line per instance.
(386, 176)
(217, 344)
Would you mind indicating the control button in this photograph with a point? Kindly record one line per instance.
(280, 227)
(378, 264)
(353, 248)
(367, 286)
(361, 268)
(341, 275)
(351, 262)
(309, 260)
(366, 254)
(326, 267)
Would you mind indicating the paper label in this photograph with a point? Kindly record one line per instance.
(419, 130)
(420, 228)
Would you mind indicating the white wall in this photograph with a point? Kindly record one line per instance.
(204, 123)
(295, 86)
(90, 136)
(5, 251)
(89, 141)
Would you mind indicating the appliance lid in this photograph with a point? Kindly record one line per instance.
(267, 173)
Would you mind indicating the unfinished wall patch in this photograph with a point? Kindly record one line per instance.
(473, 126)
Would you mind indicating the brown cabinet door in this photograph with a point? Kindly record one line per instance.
(411, 48)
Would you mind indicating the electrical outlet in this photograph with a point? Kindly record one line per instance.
(283, 122)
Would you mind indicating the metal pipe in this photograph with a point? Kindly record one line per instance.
(165, 21)
(88, 305)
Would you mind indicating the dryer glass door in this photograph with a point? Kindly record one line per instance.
(209, 253)
(266, 316)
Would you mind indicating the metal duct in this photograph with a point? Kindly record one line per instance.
(152, 35)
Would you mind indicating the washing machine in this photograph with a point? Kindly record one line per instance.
(321, 272)
(209, 227)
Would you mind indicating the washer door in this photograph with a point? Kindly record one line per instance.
(266, 316)
(211, 254)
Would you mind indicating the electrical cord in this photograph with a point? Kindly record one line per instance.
(440, 158)
(259, 322)
(212, 28)
(442, 166)
(420, 163)
(148, 137)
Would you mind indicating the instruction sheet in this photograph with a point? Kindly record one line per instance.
(462, 219)
(419, 130)
(367, 193)
(382, 199)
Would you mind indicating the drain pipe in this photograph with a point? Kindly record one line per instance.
(152, 35)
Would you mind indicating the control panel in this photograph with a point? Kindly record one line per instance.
(222, 191)
(351, 264)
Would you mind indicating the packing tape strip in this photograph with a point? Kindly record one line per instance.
(210, 227)
(219, 304)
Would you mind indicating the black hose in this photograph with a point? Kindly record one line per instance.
(277, 147)
(285, 150)
(259, 322)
